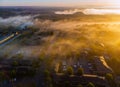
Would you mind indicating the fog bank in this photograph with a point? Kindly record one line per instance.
(17, 21)
(89, 11)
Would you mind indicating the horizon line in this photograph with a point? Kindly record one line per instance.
(85, 6)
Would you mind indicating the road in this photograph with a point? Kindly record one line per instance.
(8, 39)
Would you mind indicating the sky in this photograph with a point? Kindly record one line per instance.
(113, 3)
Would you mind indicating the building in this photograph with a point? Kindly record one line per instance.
(101, 66)
(60, 80)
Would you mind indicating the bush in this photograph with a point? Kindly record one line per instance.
(79, 85)
(80, 71)
(110, 80)
(69, 71)
(90, 84)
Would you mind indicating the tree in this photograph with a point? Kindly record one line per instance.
(36, 64)
(109, 76)
(18, 56)
(13, 74)
(69, 71)
(66, 84)
(79, 85)
(80, 71)
(110, 79)
(31, 72)
(15, 63)
(90, 84)
(48, 79)
(46, 73)
(2, 76)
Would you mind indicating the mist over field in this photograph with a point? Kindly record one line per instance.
(72, 37)
(64, 34)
